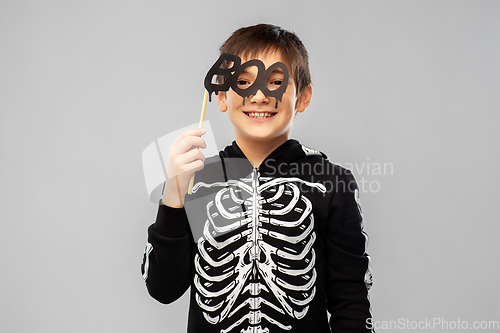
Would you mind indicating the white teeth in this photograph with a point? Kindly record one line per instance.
(260, 115)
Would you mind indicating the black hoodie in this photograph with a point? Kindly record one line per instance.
(267, 249)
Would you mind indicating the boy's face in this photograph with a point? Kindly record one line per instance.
(258, 121)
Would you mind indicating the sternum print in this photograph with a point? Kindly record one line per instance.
(255, 221)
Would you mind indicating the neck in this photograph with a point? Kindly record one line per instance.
(257, 151)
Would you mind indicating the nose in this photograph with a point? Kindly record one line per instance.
(259, 98)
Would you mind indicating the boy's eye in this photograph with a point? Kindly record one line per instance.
(243, 84)
(274, 84)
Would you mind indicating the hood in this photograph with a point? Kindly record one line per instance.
(231, 163)
(290, 151)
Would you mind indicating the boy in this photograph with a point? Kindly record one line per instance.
(275, 237)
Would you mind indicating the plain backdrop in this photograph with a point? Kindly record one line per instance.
(85, 86)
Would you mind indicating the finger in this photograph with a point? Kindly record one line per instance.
(190, 156)
(179, 165)
(191, 132)
(185, 171)
(187, 144)
(194, 166)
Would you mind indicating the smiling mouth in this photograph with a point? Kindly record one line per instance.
(260, 115)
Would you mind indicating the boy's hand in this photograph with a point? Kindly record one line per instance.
(185, 158)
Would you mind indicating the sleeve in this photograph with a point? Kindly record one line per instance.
(167, 262)
(348, 264)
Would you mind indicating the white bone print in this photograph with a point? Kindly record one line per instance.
(257, 246)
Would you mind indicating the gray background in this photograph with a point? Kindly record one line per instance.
(86, 86)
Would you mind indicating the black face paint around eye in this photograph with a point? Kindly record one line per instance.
(232, 74)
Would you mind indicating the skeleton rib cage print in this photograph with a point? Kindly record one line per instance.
(255, 264)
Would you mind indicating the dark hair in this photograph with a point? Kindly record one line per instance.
(249, 42)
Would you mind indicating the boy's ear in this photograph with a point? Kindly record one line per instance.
(304, 99)
(221, 101)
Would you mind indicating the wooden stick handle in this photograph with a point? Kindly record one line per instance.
(202, 118)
